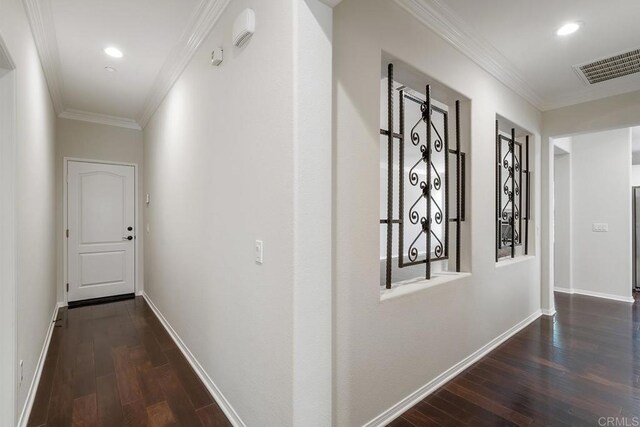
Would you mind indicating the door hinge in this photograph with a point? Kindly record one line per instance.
(67, 287)
(67, 233)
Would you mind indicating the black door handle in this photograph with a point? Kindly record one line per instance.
(128, 238)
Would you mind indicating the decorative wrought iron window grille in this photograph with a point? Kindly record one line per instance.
(423, 146)
(513, 184)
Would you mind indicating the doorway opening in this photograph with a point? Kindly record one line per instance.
(635, 200)
(562, 215)
(592, 208)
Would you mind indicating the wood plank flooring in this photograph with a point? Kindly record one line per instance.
(569, 370)
(116, 365)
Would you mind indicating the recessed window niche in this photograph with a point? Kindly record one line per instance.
(513, 189)
(424, 188)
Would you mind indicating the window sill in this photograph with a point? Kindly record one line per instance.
(510, 261)
(408, 287)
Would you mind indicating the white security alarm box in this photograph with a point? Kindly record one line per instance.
(244, 27)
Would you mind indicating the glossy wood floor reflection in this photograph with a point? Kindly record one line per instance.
(569, 370)
(115, 365)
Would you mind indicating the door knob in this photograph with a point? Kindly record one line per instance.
(130, 228)
(128, 238)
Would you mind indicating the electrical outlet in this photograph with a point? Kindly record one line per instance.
(259, 251)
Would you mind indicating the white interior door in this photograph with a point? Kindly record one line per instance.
(101, 223)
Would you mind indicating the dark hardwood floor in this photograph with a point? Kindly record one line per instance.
(569, 370)
(115, 365)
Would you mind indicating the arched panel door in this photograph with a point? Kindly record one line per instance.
(101, 230)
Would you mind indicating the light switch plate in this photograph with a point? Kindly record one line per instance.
(600, 227)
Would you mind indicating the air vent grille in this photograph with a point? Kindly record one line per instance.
(611, 68)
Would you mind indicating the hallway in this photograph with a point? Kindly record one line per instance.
(567, 370)
(115, 365)
(319, 213)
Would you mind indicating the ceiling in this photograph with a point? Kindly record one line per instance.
(516, 41)
(144, 30)
(157, 38)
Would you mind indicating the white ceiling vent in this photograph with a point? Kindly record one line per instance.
(610, 68)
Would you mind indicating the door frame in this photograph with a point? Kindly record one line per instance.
(634, 254)
(65, 222)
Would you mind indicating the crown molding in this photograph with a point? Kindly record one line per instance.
(103, 119)
(41, 21)
(444, 22)
(6, 61)
(201, 23)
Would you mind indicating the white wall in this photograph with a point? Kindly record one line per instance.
(635, 175)
(601, 172)
(8, 238)
(562, 220)
(563, 144)
(614, 112)
(384, 351)
(312, 305)
(100, 142)
(234, 154)
(35, 168)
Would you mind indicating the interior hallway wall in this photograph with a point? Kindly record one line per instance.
(35, 167)
(99, 142)
(239, 153)
(387, 350)
(601, 173)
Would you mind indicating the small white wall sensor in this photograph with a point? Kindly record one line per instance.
(147, 199)
(259, 252)
(244, 27)
(216, 57)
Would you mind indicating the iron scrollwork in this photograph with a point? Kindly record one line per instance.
(512, 189)
(426, 182)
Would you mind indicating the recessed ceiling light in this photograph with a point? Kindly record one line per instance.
(114, 52)
(110, 69)
(569, 28)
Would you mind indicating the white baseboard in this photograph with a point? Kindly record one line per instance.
(224, 404)
(33, 388)
(405, 404)
(548, 312)
(595, 294)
